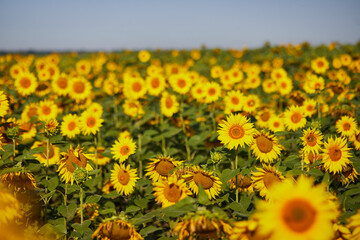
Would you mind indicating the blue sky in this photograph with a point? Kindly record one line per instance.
(110, 25)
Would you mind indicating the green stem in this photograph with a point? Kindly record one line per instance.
(14, 148)
(302, 162)
(318, 108)
(139, 156)
(236, 167)
(184, 130)
(47, 160)
(81, 205)
(96, 156)
(65, 200)
(213, 119)
(163, 142)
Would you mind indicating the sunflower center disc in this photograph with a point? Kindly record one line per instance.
(264, 144)
(62, 83)
(205, 181)
(269, 179)
(168, 102)
(46, 110)
(91, 122)
(79, 87)
(265, 116)
(298, 215)
(124, 150)
(235, 100)
(155, 83)
(346, 126)
(71, 126)
(311, 140)
(296, 117)
(25, 82)
(172, 192)
(181, 83)
(120, 232)
(164, 167)
(123, 177)
(212, 91)
(236, 132)
(335, 154)
(320, 64)
(137, 87)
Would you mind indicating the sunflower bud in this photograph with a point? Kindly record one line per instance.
(11, 133)
(51, 127)
(315, 124)
(80, 175)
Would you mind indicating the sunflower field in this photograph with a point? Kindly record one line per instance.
(181, 144)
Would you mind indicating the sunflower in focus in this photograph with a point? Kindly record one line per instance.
(210, 183)
(71, 159)
(169, 104)
(294, 118)
(144, 56)
(54, 153)
(70, 127)
(170, 191)
(346, 126)
(116, 229)
(47, 110)
(26, 83)
(160, 167)
(347, 174)
(298, 210)
(123, 148)
(311, 140)
(79, 89)
(90, 123)
(265, 178)
(212, 92)
(236, 131)
(155, 84)
(319, 65)
(336, 154)
(124, 178)
(265, 147)
(4, 104)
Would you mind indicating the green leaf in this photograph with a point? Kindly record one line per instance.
(228, 174)
(172, 131)
(56, 138)
(150, 229)
(240, 208)
(132, 209)
(93, 199)
(53, 183)
(81, 228)
(316, 172)
(68, 211)
(8, 151)
(142, 203)
(202, 196)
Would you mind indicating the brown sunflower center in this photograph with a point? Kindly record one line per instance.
(357, 137)
(117, 232)
(251, 103)
(212, 91)
(265, 116)
(310, 108)
(164, 167)
(311, 139)
(270, 178)
(25, 82)
(79, 87)
(62, 83)
(168, 102)
(32, 112)
(299, 215)
(124, 150)
(155, 83)
(205, 181)
(276, 124)
(46, 110)
(264, 144)
(296, 117)
(346, 126)
(235, 100)
(335, 154)
(181, 83)
(90, 122)
(320, 64)
(278, 76)
(71, 126)
(137, 87)
(172, 192)
(283, 85)
(236, 132)
(123, 177)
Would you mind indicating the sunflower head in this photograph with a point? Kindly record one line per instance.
(265, 147)
(160, 168)
(243, 183)
(19, 181)
(115, 228)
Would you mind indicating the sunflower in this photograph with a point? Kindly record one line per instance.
(4, 104)
(116, 229)
(79, 89)
(71, 159)
(311, 140)
(54, 153)
(236, 131)
(144, 56)
(155, 84)
(30, 110)
(16, 70)
(251, 103)
(43, 75)
(123, 178)
(198, 92)
(25, 84)
(243, 183)
(19, 181)
(234, 101)
(347, 174)
(246, 230)
(252, 82)
(134, 88)
(170, 191)
(43, 89)
(284, 86)
(336, 154)
(133, 108)
(9, 206)
(297, 211)
(61, 84)
(180, 83)
(216, 71)
(294, 118)
(263, 117)
(90, 123)
(160, 167)
(310, 158)
(206, 179)
(276, 124)
(269, 86)
(265, 147)
(265, 178)
(278, 73)
(47, 110)
(123, 148)
(28, 131)
(169, 104)
(346, 126)
(354, 225)
(83, 67)
(212, 92)
(309, 106)
(96, 108)
(70, 127)
(341, 232)
(320, 65)
(356, 140)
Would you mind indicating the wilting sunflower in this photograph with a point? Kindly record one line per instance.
(4, 104)
(311, 140)
(347, 174)
(134, 88)
(294, 118)
(155, 84)
(70, 127)
(354, 225)
(18, 181)
(9, 206)
(212, 92)
(170, 191)
(60, 85)
(247, 230)
(276, 124)
(203, 225)
(123, 148)
(54, 153)
(124, 179)
(71, 159)
(265, 178)
(336, 154)
(346, 126)
(169, 104)
(265, 147)
(356, 140)
(47, 110)
(320, 65)
(161, 167)
(210, 183)
(90, 123)
(79, 89)
(236, 131)
(243, 183)
(25, 83)
(180, 83)
(297, 211)
(133, 108)
(116, 229)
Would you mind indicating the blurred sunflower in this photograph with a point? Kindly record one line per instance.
(265, 178)
(90, 123)
(30, 110)
(96, 108)
(99, 159)
(124, 178)
(276, 124)
(251, 103)
(180, 83)
(263, 117)
(297, 211)
(170, 191)
(160, 167)
(310, 158)
(354, 225)
(356, 140)
(83, 67)
(28, 131)
(123, 148)
(9, 206)
(15, 70)
(309, 106)
(319, 65)
(18, 181)
(47, 110)
(198, 92)
(336, 154)
(70, 127)
(269, 86)
(25, 84)
(116, 229)
(212, 92)
(4, 104)
(278, 73)
(242, 183)
(294, 118)
(54, 153)
(247, 230)
(346, 126)
(61, 84)
(133, 108)
(284, 86)
(155, 84)
(210, 183)
(236, 131)
(71, 159)
(43, 89)
(134, 88)
(265, 147)
(311, 140)
(169, 104)
(216, 71)
(79, 89)
(144, 56)
(234, 101)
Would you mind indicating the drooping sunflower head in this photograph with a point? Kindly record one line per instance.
(19, 181)
(160, 168)
(347, 174)
(124, 179)
(116, 229)
(9, 206)
(243, 183)
(265, 147)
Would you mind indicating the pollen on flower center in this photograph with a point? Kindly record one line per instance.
(164, 167)
(205, 181)
(335, 154)
(296, 117)
(123, 177)
(264, 144)
(79, 87)
(172, 192)
(236, 132)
